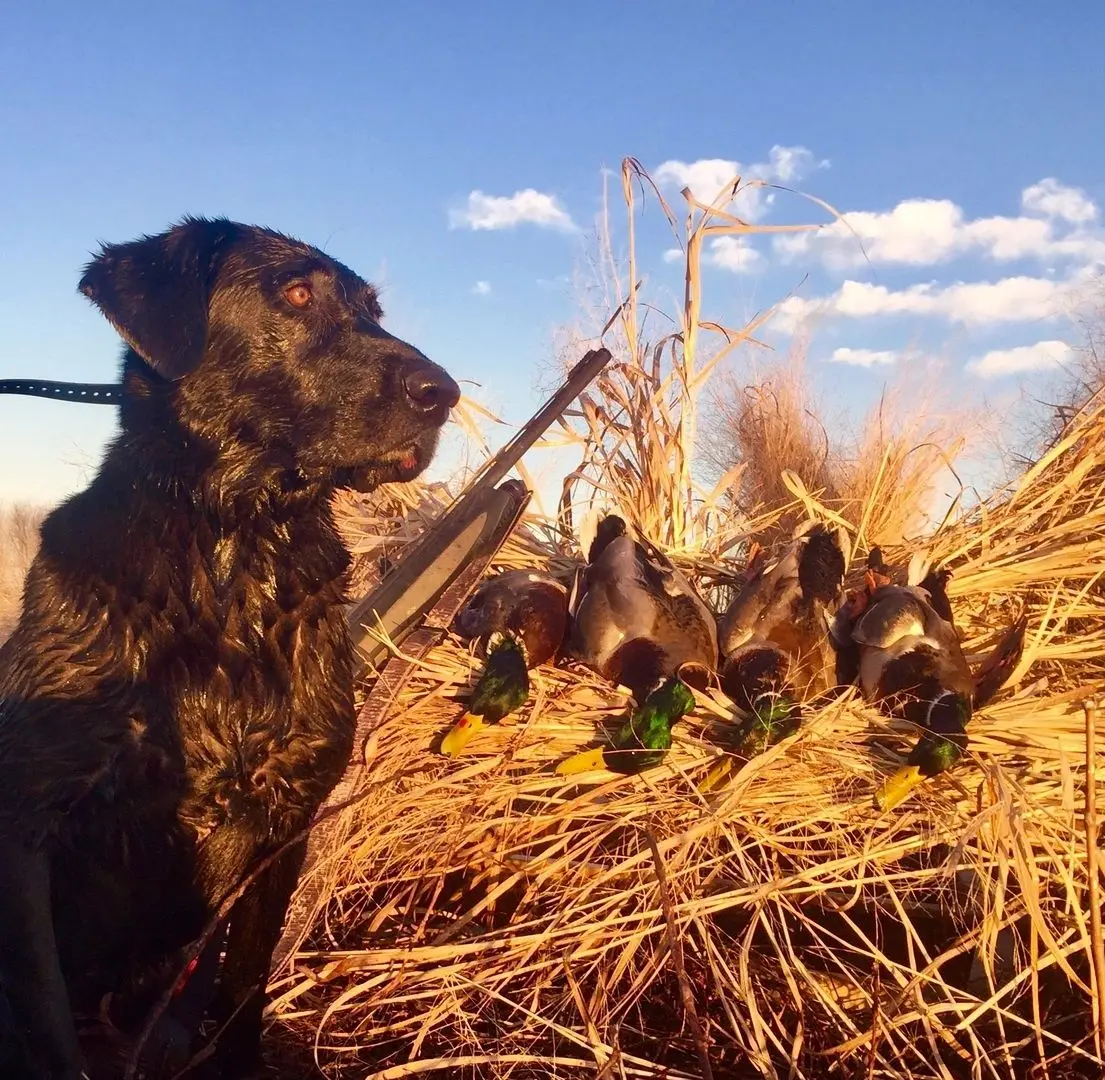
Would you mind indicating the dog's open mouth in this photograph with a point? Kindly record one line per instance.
(407, 459)
(395, 466)
(404, 463)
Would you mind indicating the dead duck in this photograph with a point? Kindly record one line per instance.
(638, 622)
(775, 646)
(906, 653)
(519, 619)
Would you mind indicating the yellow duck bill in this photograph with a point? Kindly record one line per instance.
(587, 761)
(718, 776)
(461, 734)
(898, 787)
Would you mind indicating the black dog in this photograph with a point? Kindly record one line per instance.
(177, 699)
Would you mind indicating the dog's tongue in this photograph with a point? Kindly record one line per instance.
(189, 971)
(409, 460)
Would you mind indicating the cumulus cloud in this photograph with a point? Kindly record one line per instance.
(482, 288)
(733, 253)
(925, 232)
(1022, 358)
(508, 211)
(1010, 300)
(707, 177)
(786, 163)
(1055, 200)
(863, 357)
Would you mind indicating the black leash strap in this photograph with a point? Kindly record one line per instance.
(90, 393)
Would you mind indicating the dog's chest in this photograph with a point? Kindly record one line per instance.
(259, 681)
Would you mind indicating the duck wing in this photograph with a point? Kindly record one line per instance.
(683, 625)
(935, 583)
(766, 599)
(821, 566)
(613, 604)
(893, 612)
(636, 612)
(1000, 664)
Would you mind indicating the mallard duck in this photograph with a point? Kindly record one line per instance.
(909, 660)
(638, 622)
(519, 619)
(775, 647)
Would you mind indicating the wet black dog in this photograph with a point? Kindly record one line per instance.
(177, 699)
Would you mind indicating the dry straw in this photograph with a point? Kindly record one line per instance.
(19, 525)
(485, 918)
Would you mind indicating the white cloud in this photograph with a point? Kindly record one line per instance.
(792, 312)
(1014, 299)
(482, 288)
(924, 232)
(733, 253)
(786, 163)
(1006, 238)
(1055, 200)
(507, 211)
(1022, 358)
(1010, 300)
(707, 177)
(863, 357)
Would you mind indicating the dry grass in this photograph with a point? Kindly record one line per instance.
(18, 543)
(488, 919)
(769, 423)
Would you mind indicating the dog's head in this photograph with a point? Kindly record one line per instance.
(272, 350)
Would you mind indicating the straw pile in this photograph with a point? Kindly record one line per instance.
(486, 918)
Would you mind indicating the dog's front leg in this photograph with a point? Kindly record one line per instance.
(256, 921)
(29, 968)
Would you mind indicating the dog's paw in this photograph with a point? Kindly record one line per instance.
(167, 1050)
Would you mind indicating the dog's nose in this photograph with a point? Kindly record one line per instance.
(429, 387)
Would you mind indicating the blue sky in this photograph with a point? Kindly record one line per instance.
(966, 137)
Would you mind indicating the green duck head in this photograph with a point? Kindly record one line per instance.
(941, 745)
(502, 687)
(504, 684)
(646, 736)
(773, 716)
(671, 700)
(643, 739)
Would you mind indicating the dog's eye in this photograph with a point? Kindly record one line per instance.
(298, 295)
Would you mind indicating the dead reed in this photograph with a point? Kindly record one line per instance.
(19, 526)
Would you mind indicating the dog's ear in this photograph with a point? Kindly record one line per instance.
(155, 291)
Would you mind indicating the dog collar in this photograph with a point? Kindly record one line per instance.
(90, 393)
